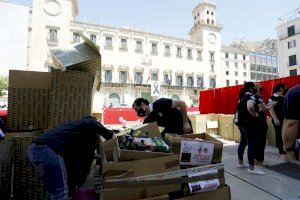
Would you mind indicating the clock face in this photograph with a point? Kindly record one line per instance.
(212, 38)
(52, 7)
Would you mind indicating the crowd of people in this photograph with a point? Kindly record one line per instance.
(252, 122)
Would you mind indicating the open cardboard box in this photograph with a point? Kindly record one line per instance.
(174, 141)
(131, 169)
(150, 128)
(221, 193)
(152, 177)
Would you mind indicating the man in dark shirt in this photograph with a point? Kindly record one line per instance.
(168, 113)
(291, 124)
(277, 115)
(63, 155)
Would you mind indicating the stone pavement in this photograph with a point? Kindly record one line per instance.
(245, 186)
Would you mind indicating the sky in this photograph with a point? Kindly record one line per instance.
(253, 20)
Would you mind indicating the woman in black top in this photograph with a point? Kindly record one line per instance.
(278, 116)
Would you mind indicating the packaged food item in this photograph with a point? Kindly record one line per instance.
(161, 145)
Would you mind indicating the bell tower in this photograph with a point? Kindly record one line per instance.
(207, 31)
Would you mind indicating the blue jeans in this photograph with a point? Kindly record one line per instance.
(51, 168)
(247, 138)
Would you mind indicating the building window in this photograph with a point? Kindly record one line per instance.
(245, 74)
(138, 77)
(179, 80)
(154, 48)
(93, 38)
(291, 44)
(227, 65)
(212, 68)
(259, 77)
(189, 54)
(226, 55)
(123, 43)
(269, 69)
(227, 72)
(244, 57)
(207, 21)
(212, 22)
(76, 37)
(253, 67)
(154, 77)
(200, 82)
(264, 77)
(175, 97)
(235, 56)
(208, 12)
(236, 73)
(108, 76)
(292, 60)
(212, 56)
(244, 66)
(264, 68)
(167, 50)
(199, 55)
(108, 42)
(114, 99)
(236, 82)
(52, 35)
(123, 76)
(139, 46)
(293, 72)
(167, 80)
(258, 68)
(291, 31)
(274, 70)
(212, 82)
(227, 83)
(236, 66)
(179, 52)
(253, 76)
(190, 81)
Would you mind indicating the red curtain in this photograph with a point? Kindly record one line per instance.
(224, 100)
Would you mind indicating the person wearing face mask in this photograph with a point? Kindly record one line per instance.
(279, 92)
(168, 113)
(248, 117)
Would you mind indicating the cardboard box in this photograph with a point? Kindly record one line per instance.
(150, 128)
(160, 197)
(222, 193)
(174, 141)
(136, 187)
(236, 133)
(198, 123)
(98, 116)
(226, 127)
(271, 135)
(121, 170)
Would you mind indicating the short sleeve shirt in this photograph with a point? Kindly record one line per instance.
(292, 103)
(278, 108)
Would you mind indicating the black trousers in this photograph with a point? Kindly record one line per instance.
(279, 143)
(260, 140)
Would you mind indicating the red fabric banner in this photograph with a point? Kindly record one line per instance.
(224, 100)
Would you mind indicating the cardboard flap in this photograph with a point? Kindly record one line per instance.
(151, 128)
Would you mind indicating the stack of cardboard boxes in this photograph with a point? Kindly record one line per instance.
(207, 123)
(41, 100)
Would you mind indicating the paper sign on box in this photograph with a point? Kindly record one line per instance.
(196, 153)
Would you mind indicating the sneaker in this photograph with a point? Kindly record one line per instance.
(242, 165)
(256, 171)
(283, 157)
(262, 164)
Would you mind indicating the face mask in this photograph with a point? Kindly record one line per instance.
(141, 112)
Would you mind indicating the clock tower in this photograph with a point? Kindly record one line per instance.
(206, 31)
(50, 23)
